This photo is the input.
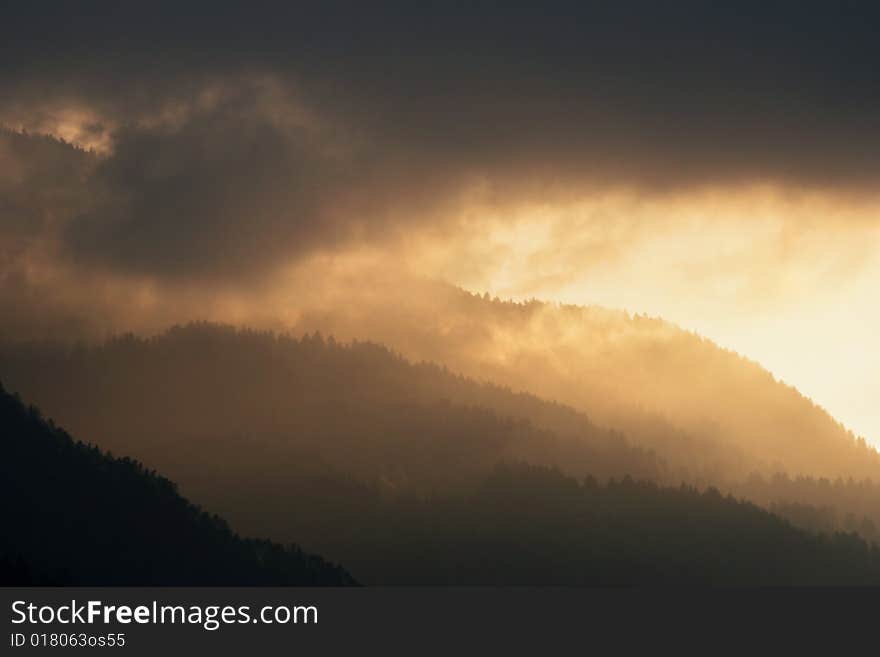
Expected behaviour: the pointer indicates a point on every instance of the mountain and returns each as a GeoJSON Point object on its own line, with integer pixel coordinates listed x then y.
{"type": "Point", "coordinates": [707, 411]}
{"type": "Point", "coordinates": [210, 398]}
{"type": "Point", "coordinates": [74, 515]}
{"type": "Point", "coordinates": [264, 428]}
{"type": "Point", "coordinates": [528, 525]}
{"type": "Point", "coordinates": [370, 460]}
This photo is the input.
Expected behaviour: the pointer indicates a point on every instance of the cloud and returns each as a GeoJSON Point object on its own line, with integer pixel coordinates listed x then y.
{"type": "Point", "coordinates": [228, 178]}
{"type": "Point", "coordinates": [232, 143]}
{"type": "Point", "coordinates": [224, 186]}
{"type": "Point", "coordinates": [653, 94]}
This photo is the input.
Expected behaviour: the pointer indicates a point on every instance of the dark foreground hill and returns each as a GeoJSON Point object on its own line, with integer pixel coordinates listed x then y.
{"type": "Point", "coordinates": [72, 514]}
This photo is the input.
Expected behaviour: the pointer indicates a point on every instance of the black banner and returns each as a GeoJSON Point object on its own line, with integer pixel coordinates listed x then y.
{"type": "Point", "coordinates": [230, 621]}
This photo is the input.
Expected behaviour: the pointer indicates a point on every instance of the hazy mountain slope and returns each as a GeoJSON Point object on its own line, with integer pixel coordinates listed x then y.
{"type": "Point", "coordinates": [820, 505]}
{"type": "Point", "coordinates": [251, 405]}
{"type": "Point", "coordinates": [532, 525]}
{"type": "Point", "coordinates": [623, 371]}
{"type": "Point", "coordinates": [74, 515]}
{"type": "Point", "coordinates": [82, 517]}
{"type": "Point", "coordinates": [258, 427]}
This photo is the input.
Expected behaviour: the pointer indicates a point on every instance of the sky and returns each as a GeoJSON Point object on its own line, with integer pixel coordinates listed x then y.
{"type": "Point", "coordinates": [715, 164]}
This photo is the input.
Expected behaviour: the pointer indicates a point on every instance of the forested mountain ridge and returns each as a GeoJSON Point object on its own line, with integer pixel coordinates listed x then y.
{"type": "Point", "coordinates": [80, 516]}
{"type": "Point", "coordinates": [205, 396]}
{"type": "Point", "coordinates": [254, 424]}
{"type": "Point", "coordinates": [703, 408]}
{"type": "Point", "coordinates": [75, 515]}
{"type": "Point", "coordinates": [528, 525]}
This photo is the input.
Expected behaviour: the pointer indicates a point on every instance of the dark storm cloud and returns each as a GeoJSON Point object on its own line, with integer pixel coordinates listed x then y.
{"type": "Point", "coordinates": [410, 101]}
{"type": "Point", "coordinates": [223, 190]}
{"type": "Point", "coordinates": [690, 88]}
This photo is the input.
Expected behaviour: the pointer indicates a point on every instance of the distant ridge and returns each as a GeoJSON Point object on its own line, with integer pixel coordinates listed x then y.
{"type": "Point", "coordinates": [641, 375]}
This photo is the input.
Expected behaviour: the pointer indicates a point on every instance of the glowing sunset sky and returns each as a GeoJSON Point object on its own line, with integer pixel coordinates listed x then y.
{"type": "Point", "coordinates": [716, 166]}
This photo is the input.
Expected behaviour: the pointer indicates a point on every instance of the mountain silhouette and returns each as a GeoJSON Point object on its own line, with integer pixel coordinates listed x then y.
{"type": "Point", "coordinates": [75, 515]}
{"type": "Point", "coordinates": [80, 516]}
